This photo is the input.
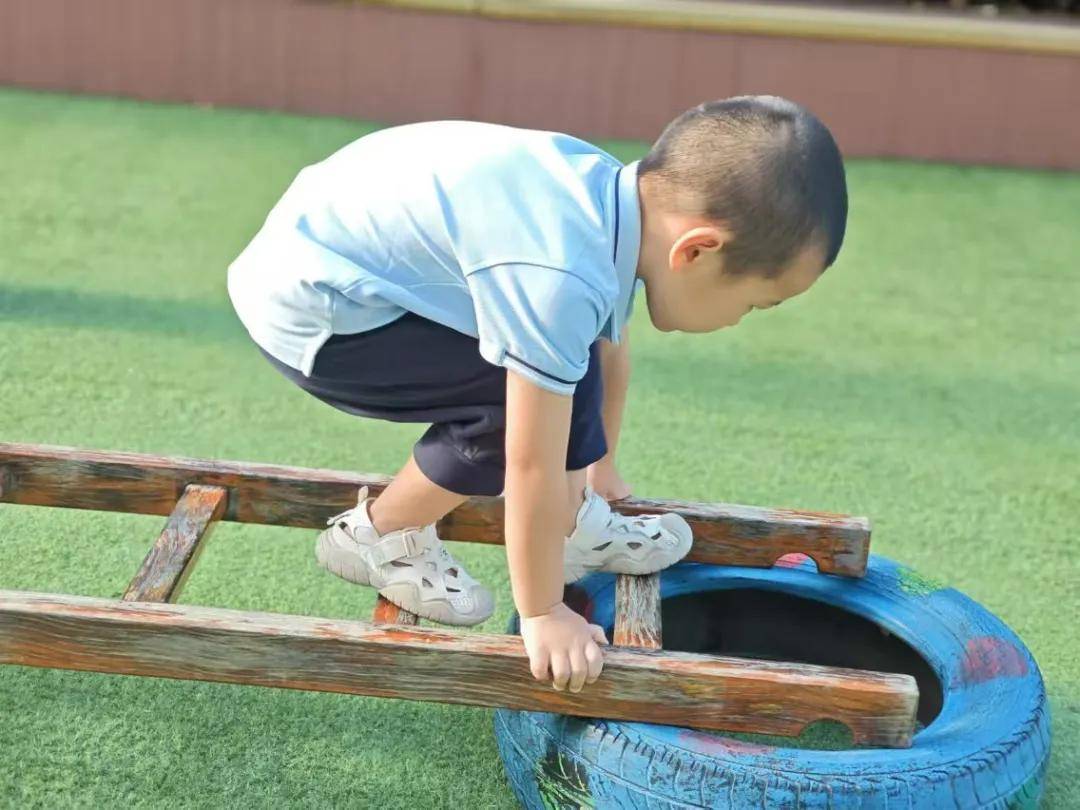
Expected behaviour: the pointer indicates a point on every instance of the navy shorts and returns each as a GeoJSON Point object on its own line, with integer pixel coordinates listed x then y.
{"type": "Point", "coordinates": [416, 370]}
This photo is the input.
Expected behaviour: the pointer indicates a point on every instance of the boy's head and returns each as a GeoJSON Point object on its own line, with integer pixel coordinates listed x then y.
{"type": "Point", "coordinates": [744, 204]}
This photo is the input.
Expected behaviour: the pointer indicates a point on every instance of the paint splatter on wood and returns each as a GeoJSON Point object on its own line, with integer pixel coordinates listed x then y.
{"type": "Point", "coordinates": [386, 612]}
{"type": "Point", "coordinates": [169, 563]}
{"type": "Point", "coordinates": [724, 534]}
{"type": "Point", "coordinates": [637, 611]}
{"type": "Point", "coordinates": [480, 669]}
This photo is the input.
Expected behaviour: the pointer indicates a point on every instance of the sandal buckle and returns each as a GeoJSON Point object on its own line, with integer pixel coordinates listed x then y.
{"type": "Point", "coordinates": [409, 541]}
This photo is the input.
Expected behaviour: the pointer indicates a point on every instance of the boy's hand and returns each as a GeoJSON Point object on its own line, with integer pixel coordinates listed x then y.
{"type": "Point", "coordinates": [606, 481]}
{"type": "Point", "coordinates": [562, 640]}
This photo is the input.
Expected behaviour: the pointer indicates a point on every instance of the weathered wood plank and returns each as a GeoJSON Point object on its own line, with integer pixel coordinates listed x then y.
{"type": "Point", "coordinates": [724, 534]}
{"type": "Point", "coordinates": [167, 566]}
{"type": "Point", "coordinates": [480, 669]}
{"type": "Point", "coordinates": [637, 611]}
{"type": "Point", "coordinates": [386, 612]}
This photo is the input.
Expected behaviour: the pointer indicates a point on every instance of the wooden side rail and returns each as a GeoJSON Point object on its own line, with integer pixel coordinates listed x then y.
{"type": "Point", "coordinates": [173, 556]}
{"type": "Point", "coordinates": [49, 475]}
{"type": "Point", "coordinates": [300, 652]}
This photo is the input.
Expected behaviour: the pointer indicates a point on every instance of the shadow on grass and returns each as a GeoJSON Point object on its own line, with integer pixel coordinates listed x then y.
{"type": "Point", "coordinates": [930, 399]}
{"type": "Point", "coordinates": [970, 403]}
{"type": "Point", "coordinates": [48, 306]}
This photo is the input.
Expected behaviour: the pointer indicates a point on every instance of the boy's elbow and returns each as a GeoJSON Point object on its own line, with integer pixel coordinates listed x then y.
{"type": "Point", "coordinates": [535, 458]}
{"type": "Point", "coordinates": [525, 464]}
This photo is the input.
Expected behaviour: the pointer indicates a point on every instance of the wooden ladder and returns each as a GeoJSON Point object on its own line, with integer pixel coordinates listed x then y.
{"type": "Point", "coordinates": [147, 633]}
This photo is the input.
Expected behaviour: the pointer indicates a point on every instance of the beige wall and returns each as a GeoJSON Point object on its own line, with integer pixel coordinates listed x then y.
{"type": "Point", "coordinates": [941, 103]}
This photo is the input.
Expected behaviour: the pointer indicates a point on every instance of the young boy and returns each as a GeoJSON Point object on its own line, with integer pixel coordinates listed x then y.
{"type": "Point", "coordinates": [479, 278]}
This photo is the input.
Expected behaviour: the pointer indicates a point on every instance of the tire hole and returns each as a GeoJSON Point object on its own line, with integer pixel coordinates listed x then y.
{"type": "Point", "coordinates": [776, 626]}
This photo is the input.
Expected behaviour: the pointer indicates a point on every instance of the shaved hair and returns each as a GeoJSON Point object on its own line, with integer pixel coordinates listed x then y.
{"type": "Point", "coordinates": [764, 166]}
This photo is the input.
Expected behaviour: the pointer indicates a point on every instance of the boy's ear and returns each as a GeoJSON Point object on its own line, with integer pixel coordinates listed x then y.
{"type": "Point", "coordinates": [696, 242]}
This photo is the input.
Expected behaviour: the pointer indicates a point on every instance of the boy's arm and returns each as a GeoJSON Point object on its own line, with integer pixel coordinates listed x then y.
{"type": "Point", "coordinates": [560, 643]}
{"type": "Point", "coordinates": [536, 495]}
{"type": "Point", "coordinates": [615, 368]}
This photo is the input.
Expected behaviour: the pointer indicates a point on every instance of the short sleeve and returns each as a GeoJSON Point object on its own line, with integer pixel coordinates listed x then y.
{"type": "Point", "coordinates": [538, 321]}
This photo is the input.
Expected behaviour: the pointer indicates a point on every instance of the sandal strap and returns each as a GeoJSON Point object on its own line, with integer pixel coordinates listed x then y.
{"type": "Point", "coordinates": [394, 548]}
{"type": "Point", "coordinates": [593, 517]}
{"type": "Point", "coordinates": [629, 524]}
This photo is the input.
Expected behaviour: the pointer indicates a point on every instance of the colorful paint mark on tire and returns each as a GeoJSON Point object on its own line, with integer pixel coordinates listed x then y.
{"type": "Point", "coordinates": [718, 745]}
{"type": "Point", "coordinates": [989, 657]}
{"type": "Point", "coordinates": [1029, 794]}
{"type": "Point", "coordinates": [562, 783]}
{"type": "Point", "coordinates": [916, 584]}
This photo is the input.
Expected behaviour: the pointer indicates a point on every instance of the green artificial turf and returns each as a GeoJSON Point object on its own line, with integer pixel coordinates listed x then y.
{"type": "Point", "coordinates": [928, 381]}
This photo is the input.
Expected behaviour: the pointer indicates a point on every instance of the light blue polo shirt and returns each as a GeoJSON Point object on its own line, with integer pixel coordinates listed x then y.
{"type": "Point", "coordinates": [527, 240]}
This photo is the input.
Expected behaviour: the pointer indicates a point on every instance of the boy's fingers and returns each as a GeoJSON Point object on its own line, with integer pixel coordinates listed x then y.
{"type": "Point", "coordinates": [595, 658]}
{"type": "Point", "coordinates": [579, 669]}
{"type": "Point", "coordinates": [560, 671]}
{"type": "Point", "coordinates": [538, 665]}
{"type": "Point", "coordinates": [598, 634]}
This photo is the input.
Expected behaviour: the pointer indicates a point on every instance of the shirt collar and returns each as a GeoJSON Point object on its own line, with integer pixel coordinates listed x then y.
{"type": "Point", "coordinates": [627, 245]}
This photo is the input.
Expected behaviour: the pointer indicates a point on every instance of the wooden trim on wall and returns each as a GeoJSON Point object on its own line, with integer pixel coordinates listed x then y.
{"type": "Point", "coordinates": [809, 22]}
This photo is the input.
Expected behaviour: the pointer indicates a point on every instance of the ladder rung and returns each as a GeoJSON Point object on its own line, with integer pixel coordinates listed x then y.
{"type": "Point", "coordinates": [166, 567]}
{"type": "Point", "coordinates": [386, 612]}
{"type": "Point", "coordinates": [480, 669]}
{"type": "Point", "coordinates": [637, 611]}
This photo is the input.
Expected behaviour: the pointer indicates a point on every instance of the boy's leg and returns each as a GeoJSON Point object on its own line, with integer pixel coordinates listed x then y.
{"type": "Point", "coordinates": [409, 370]}
{"type": "Point", "coordinates": [411, 499]}
{"type": "Point", "coordinates": [415, 370]}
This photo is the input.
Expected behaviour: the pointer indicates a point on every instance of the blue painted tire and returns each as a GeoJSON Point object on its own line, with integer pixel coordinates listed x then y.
{"type": "Point", "coordinates": [987, 747]}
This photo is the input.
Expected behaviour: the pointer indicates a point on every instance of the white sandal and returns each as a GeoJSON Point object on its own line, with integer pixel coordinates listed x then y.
{"type": "Point", "coordinates": [410, 567]}
{"type": "Point", "coordinates": [604, 540]}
